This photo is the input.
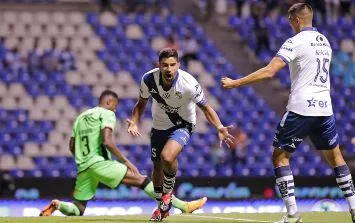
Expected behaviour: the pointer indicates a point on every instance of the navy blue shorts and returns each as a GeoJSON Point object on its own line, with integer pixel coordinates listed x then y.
{"type": "Point", "coordinates": [293, 128]}
{"type": "Point", "coordinates": [158, 139]}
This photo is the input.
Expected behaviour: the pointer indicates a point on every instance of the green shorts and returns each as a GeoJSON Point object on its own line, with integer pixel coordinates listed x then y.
{"type": "Point", "coordinates": [108, 172]}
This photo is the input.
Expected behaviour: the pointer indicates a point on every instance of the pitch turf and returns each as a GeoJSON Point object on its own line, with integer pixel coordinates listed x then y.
{"type": "Point", "coordinates": [315, 217]}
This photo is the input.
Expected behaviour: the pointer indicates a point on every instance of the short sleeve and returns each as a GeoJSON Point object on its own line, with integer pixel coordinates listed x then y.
{"type": "Point", "coordinates": [108, 120]}
{"type": "Point", "coordinates": [287, 51]}
{"type": "Point", "coordinates": [144, 91]}
{"type": "Point", "coordinates": [198, 96]}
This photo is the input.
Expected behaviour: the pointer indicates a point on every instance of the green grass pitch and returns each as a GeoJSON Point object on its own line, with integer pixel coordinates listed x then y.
{"type": "Point", "coordinates": [314, 217]}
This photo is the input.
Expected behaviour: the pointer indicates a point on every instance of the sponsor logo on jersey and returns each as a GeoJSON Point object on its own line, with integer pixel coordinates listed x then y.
{"type": "Point", "coordinates": [86, 131]}
{"type": "Point", "coordinates": [318, 85]}
{"type": "Point", "coordinates": [198, 94]}
{"type": "Point", "coordinates": [178, 94]}
{"type": "Point", "coordinates": [198, 91]}
{"type": "Point", "coordinates": [286, 48]}
{"type": "Point", "coordinates": [320, 103]}
{"type": "Point", "coordinates": [319, 44]}
{"type": "Point", "coordinates": [322, 53]}
{"type": "Point", "coordinates": [166, 95]}
{"type": "Point", "coordinates": [169, 109]}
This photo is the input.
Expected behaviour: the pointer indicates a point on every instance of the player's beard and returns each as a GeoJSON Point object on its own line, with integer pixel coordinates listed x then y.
{"type": "Point", "coordinates": [169, 78]}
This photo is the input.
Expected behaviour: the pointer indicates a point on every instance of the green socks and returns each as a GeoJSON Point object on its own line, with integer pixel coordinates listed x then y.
{"type": "Point", "coordinates": [182, 205]}
{"type": "Point", "coordinates": [68, 209]}
{"type": "Point", "coordinates": [149, 189]}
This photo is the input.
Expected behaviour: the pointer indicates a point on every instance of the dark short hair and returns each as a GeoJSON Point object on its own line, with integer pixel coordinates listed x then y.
{"type": "Point", "coordinates": [298, 7]}
{"type": "Point", "coordinates": [168, 52]}
{"type": "Point", "coordinates": [108, 93]}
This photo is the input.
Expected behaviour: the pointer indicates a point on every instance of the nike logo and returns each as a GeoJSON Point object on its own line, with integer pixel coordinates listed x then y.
{"type": "Point", "coordinates": [153, 91]}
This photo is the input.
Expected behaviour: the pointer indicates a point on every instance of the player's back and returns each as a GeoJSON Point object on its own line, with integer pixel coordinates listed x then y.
{"type": "Point", "coordinates": [88, 139]}
{"type": "Point", "coordinates": [309, 55]}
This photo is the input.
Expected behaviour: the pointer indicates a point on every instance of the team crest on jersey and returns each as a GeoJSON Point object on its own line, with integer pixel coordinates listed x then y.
{"type": "Point", "coordinates": [166, 95]}
{"type": "Point", "coordinates": [178, 94]}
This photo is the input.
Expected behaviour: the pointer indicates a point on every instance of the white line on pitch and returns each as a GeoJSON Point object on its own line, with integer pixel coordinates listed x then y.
{"type": "Point", "coordinates": [224, 218]}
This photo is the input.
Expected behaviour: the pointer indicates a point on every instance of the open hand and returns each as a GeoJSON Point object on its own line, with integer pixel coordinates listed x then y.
{"type": "Point", "coordinates": [133, 128]}
{"type": "Point", "coordinates": [225, 137]}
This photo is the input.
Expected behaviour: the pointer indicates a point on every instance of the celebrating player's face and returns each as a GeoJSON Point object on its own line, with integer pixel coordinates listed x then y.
{"type": "Point", "coordinates": [168, 68]}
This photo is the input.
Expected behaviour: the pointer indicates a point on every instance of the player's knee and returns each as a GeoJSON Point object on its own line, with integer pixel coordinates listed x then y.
{"type": "Point", "coordinates": [334, 157]}
{"type": "Point", "coordinates": [167, 158]}
{"type": "Point", "coordinates": [274, 157]}
{"type": "Point", "coordinates": [280, 158]}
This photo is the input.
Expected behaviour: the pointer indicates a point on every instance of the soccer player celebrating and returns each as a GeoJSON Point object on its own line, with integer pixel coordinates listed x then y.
{"type": "Point", "coordinates": [175, 93]}
{"type": "Point", "coordinates": [91, 143]}
{"type": "Point", "coordinates": [309, 110]}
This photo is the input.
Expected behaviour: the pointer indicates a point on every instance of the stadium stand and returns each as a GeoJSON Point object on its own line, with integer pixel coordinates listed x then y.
{"type": "Point", "coordinates": [55, 65]}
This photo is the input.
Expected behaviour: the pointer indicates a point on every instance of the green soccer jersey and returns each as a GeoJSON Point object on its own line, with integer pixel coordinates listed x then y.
{"type": "Point", "coordinates": [88, 138]}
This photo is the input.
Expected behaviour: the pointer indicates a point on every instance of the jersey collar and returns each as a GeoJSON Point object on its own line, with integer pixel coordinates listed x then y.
{"type": "Point", "coordinates": [309, 29]}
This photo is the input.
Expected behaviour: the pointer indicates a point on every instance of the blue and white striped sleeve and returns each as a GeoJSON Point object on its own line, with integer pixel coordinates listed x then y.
{"type": "Point", "coordinates": [198, 96]}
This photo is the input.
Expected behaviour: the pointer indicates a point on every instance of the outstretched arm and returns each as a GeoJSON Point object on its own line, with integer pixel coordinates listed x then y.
{"type": "Point", "coordinates": [266, 72]}
{"type": "Point", "coordinates": [136, 114]}
{"type": "Point", "coordinates": [108, 142]}
{"type": "Point", "coordinates": [213, 118]}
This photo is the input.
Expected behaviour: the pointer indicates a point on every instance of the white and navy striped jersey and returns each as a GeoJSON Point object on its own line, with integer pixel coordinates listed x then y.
{"type": "Point", "coordinates": [176, 106]}
{"type": "Point", "coordinates": [308, 55]}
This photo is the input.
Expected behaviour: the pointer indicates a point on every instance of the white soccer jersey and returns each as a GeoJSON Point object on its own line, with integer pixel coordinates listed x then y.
{"type": "Point", "coordinates": [308, 55]}
{"type": "Point", "coordinates": [175, 106]}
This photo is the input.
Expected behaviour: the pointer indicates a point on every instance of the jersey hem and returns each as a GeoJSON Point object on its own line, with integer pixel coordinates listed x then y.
{"type": "Point", "coordinates": [310, 115]}
{"type": "Point", "coordinates": [90, 166]}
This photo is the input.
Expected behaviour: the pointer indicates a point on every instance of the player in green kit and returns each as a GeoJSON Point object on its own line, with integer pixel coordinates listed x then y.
{"type": "Point", "coordinates": [91, 144]}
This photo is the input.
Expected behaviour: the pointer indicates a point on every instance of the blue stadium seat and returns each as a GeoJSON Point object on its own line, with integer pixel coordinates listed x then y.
{"type": "Point", "coordinates": [40, 161]}
{"type": "Point", "coordinates": [125, 19]}
{"type": "Point", "coordinates": [244, 107]}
